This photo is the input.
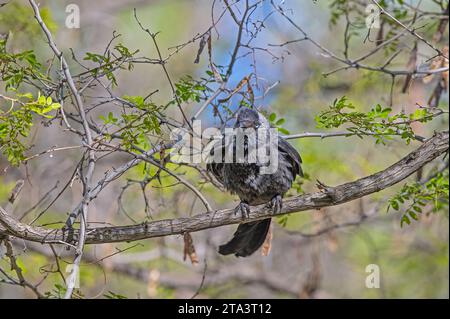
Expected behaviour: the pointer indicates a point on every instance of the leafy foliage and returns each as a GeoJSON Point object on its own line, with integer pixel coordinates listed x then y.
{"type": "Point", "coordinates": [378, 122]}
{"type": "Point", "coordinates": [18, 67]}
{"type": "Point", "coordinates": [277, 122]}
{"type": "Point", "coordinates": [17, 117]}
{"type": "Point", "coordinates": [119, 58]}
{"type": "Point", "coordinates": [190, 90]}
{"type": "Point", "coordinates": [135, 123]}
{"type": "Point", "coordinates": [416, 196]}
{"type": "Point", "coordinates": [16, 122]}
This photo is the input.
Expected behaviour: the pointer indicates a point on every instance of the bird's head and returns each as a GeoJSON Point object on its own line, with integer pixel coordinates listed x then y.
{"type": "Point", "coordinates": [249, 118]}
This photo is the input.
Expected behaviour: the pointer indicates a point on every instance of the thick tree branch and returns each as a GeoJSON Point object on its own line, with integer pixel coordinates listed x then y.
{"type": "Point", "coordinates": [330, 196]}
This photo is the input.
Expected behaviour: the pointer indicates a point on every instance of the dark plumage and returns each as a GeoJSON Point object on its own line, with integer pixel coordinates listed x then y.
{"type": "Point", "coordinates": [254, 188]}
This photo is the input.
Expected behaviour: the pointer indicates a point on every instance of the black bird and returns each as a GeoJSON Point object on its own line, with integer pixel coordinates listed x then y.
{"type": "Point", "coordinates": [252, 187]}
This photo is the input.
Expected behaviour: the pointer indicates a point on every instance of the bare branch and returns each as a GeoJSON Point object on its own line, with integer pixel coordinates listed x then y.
{"type": "Point", "coordinates": [88, 136]}
{"type": "Point", "coordinates": [413, 32]}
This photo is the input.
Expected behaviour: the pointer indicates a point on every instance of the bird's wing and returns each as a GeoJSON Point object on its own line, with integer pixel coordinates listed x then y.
{"type": "Point", "coordinates": [216, 167]}
{"type": "Point", "coordinates": [292, 155]}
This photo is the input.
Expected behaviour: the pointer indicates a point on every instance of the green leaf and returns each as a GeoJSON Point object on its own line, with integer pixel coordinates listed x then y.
{"type": "Point", "coordinates": [417, 209]}
{"type": "Point", "coordinates": [395, 205]}
{"type": "Point", "coordinates": [283, 131]}
{"type": "Point", "coordinates": [405, 219]}
{"type": "Point", "coordinates": [272, 117]}
{"type": "Point", "coordinates": [413, 215]}
{"type": "Point", "coordinates": [42, 100]}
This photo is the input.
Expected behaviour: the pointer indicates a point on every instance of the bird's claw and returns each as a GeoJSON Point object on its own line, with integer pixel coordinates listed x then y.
{"type": "Point", "coordinates": [276, 204]}
{"type": "Point", "coordinates": [244, 209]}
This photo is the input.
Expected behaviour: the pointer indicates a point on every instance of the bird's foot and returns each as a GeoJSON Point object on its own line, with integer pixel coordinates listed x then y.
{"type": "Point", "coordinates": [244, 209]}
{"type": "Point", "coordinates": [276, 204]}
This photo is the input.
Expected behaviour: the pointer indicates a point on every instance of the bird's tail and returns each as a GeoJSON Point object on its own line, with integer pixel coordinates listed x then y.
{"type": "Point", "coordinates": [247, 238]}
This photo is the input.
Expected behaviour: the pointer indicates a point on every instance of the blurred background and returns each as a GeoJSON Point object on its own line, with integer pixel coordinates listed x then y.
{"type": "Point", "coordinates": [413, 259]}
